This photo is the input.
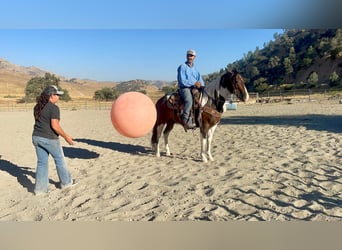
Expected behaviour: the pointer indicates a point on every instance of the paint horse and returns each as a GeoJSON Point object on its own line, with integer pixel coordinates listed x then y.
{"type": "Point", "coordinates": [211, 103]}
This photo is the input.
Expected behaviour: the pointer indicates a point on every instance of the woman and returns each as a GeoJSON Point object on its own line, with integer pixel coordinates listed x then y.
{"type": "Point", "coordinates": [45, 138]}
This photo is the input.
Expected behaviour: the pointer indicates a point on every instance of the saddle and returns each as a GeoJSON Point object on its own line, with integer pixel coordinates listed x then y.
{"type": "Point", "coordinates": [176, 103]}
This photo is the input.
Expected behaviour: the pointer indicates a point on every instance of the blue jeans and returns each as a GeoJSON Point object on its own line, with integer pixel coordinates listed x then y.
{"type": "Point", "coordinates": [187, 98]}
{"type": "Point", "coordinates": [44, 147]}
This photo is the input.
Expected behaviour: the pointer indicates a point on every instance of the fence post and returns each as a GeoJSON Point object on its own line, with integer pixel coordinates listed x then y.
{"type": "Point", "coordinates": [309, 95]}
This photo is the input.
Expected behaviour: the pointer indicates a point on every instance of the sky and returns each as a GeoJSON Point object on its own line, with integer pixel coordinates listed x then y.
{"type": "Point", "coordinates": [120, 40]}
{"type": "Point", "coordinates": [121, 55]}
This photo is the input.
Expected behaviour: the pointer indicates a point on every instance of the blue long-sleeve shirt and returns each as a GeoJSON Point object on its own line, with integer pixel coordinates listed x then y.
{"type": "Point", "coordinates": [187, 76]}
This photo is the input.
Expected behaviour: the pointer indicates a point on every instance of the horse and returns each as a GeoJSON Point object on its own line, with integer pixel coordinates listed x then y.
{"type": "Point", "coordinates": [213, 97]}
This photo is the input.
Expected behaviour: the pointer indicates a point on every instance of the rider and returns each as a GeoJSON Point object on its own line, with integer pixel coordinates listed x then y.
{"type": "Point", "coordinates": [188, 77]}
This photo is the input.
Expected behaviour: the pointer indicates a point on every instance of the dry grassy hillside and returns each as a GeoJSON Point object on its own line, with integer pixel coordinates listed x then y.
{"type": "Point", "coordinates": [12, 83]}
{"type": "Point", "coordinates": [13, 80]}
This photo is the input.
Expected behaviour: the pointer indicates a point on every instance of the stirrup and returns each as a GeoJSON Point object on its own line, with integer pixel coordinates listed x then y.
{"type": "Point", "coordinates": [189, 125]}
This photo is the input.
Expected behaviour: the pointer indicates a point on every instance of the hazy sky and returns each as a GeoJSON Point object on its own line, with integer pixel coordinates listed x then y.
{"type": "Point", "coordinates": [108, 40]}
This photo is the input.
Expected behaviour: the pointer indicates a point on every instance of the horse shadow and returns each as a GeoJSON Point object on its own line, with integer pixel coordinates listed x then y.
{"type": "Point", "coordinates": [330, 123]}
{"type": "Point", "coordinates": [116, 146]}
{"type": "Point", "coordinates": [79, 153]}
{"type": "Point", "coordinates": [21, 173]}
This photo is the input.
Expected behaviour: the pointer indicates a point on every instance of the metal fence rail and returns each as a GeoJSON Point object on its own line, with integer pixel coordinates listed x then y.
{"type": "Point", "coordinates": [74, 105]}
{"type": "Point", "coordinates": [266, 97]}
{"type": "Point", "coordinates": [289, 95]}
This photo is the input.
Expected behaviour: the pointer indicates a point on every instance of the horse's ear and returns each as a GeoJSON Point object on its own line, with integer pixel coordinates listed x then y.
{"type": "Point", "coordinates": [235, 72]}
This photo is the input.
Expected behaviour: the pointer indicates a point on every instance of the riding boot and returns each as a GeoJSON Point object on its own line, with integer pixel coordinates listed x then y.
{"type": "Point", "coordinates": [188, 124]}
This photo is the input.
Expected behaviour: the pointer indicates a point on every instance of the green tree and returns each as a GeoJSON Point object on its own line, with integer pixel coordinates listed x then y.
{"type": "Point", "coordinates": [288, 66]}
{"type": "Point", "coordinates": [36, 85]}
{"type": "Point", "coordinates": [293, 55]}
{"type": "Point", "coordinates": [306, 62]}
{"type": "Point", "coordinates": [311, 52]}
{"type": "Point", "coordinates": [260, 85]}
{"type": "Point", "coordinates": [313, 79]}
{"type": "Point", "coordinates": [254, 72]}
{"type": "Point", "coordinates": [273, 62]}
{"type": "Point", "coordinates": [334, 79]}
{"type": "Point", "coordinates": [335, 52]}
{"type": "Point", "coordinates": [106, 94]}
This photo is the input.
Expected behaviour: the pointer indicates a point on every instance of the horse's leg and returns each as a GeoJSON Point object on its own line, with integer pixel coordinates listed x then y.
{"type": "Point", "coordinates": [157, 131]}
{"type": "Point", "coordinates": [210, 138]}
{"type": "Point", "coordinates": [167, 131]}
{"type": "Point", "coordinates": [204, 146]}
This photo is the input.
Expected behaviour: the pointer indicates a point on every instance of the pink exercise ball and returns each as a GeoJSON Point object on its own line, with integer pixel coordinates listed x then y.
{"type": "Point", "coordinates": [133, 114]}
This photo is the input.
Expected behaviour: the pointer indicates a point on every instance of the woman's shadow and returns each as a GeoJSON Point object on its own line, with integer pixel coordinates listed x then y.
{"type": "Point", "coordinates": [21, 173]}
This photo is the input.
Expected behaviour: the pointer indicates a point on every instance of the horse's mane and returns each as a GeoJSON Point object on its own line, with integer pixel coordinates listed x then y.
{"type": "Point", "coordinates": [221, 86]}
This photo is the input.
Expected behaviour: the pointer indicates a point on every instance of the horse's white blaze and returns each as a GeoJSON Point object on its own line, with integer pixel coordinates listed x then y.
{"type": "Point", "coordinates": [247, 95]}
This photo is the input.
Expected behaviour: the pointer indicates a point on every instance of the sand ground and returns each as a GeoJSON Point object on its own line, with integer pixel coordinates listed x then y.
{"type": "Point", "coordinates": [272, 162]}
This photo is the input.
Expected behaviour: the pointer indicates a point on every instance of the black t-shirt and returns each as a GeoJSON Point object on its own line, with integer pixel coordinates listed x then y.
{"type": "Point", "coordinates": [42, 126]}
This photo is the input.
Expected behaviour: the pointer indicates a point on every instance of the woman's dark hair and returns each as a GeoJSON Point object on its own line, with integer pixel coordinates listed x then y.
{"type": "Point", "coordinates": [42, 100]}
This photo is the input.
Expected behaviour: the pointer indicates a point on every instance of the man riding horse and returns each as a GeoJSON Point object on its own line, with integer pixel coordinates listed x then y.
{"type": "Point", "coordinates": [209, 104]}
{"type": "Point", "coordinates": [188, 78]}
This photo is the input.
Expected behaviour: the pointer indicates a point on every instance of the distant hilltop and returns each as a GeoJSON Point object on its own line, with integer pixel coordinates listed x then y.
{"type": "Point", "coordinates": [13, 80]}
{"type": "Point", "coordinates": [31, 71]}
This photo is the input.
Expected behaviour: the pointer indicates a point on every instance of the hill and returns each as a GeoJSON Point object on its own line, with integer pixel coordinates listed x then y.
{"type": "Point", "coordinates": [13, 80]}
{"type": "Point", "coordinates": [306, 58]}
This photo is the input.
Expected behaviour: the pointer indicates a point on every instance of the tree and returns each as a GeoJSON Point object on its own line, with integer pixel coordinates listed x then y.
{"type": "Point", "coordinates": [335, 52]}
{"type": "Point", "coordinates": [334, 79]}
{"type": "Point", "coordinates": [260, 84]}
{"type": "Point", "coordinates": [313, 79]}
{"type": "Point", "coordinates": [273, 62]}
{"type": "Point", "coordinates": [106, 94]}
{"type": "Point", "coordinates": [254, 72]}
{"type": "Point", "coordinates": [306, 62]}
{"type": "Point", "coordinates": [292, 55]}
{"type": "Point", "coordinates": [311, 52]}
{"type": "Point", "coordinates": [36, 85]}
{"type": "Point", "coordinates": [288, 66]}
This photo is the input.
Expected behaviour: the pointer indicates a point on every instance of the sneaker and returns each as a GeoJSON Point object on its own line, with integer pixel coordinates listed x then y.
{"type": "Point", "coordinates": [39, 193]}
{"type": "Point", "coordinates": [72, 183]}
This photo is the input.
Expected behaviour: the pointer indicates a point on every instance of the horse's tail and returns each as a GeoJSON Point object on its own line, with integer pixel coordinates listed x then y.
{"type": "Point", "coordinates": [160, 105]}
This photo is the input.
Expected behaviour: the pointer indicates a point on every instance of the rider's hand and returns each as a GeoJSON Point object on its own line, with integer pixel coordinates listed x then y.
{"type": "Point", "coordinates": [197, 85]}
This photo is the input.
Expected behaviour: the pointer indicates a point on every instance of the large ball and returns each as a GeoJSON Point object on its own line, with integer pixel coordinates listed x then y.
{"type": "Point", "coordinates": [133, 114]}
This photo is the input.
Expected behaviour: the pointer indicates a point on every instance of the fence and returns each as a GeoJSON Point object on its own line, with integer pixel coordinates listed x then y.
{"type": "Point", "coordinates": [73, 105]}
{"type": "Point", "coordinates": [266, 97]}
{"type": "Point", "coordinates": [290, 95]}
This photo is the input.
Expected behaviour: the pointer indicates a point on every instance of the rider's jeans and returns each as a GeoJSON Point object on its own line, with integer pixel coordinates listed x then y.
{"type": "Point", "coordinates": [187, 98]}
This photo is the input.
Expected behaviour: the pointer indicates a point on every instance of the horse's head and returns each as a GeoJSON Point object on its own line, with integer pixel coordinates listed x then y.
{"type": "Point", "coordinates": [235, 84]}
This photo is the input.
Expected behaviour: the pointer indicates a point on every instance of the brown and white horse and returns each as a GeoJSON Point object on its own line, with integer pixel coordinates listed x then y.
{"type": "Point", "coordinates": [211, 107]}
